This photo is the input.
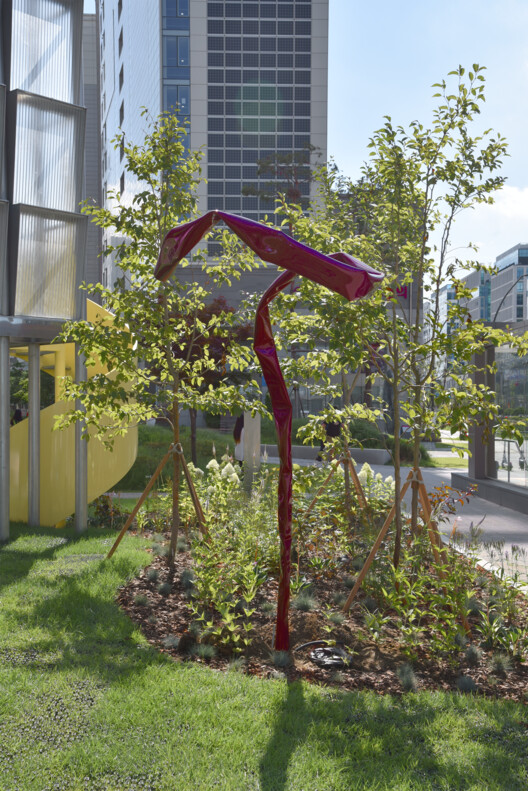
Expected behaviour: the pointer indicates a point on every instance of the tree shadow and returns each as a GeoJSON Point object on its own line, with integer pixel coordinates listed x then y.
{"type": "Point", "coordinates": [365, 741]}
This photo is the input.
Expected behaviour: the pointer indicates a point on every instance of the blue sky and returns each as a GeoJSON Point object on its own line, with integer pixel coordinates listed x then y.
{"type": "Point", "coordinates": [384, 55]}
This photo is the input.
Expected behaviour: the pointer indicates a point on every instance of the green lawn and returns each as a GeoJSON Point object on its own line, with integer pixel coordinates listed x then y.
{"type": "Point", "coordinates": [87, 705]}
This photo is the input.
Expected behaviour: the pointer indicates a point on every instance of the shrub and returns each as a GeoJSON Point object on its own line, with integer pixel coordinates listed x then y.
{"type": "Point", "coordinates": [407, 678]}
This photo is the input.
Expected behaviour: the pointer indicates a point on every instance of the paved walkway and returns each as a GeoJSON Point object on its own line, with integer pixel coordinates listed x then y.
{"type": "Point", "coordinates": [501, 528]}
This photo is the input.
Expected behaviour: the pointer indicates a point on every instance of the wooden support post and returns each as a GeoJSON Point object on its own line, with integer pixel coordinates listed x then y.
{"type": "Point", "coordinates": [194, 496]}
{"type": "Point", "coordinates": [381, 535]}
{"type": "Point", "coordinates": [335, 465]}
{"type": "Point", "coordinates": [357, 483]}
{"type": "Point", "coordinates": [141, 500]}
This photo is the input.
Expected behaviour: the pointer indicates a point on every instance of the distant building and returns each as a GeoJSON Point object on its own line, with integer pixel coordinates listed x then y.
{"type": "Point", "coordinates": [250, 77]}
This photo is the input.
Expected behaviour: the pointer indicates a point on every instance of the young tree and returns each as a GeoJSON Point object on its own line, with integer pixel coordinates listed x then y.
{"type": "Point", "coordinates": [150, 346]}
{"type": "Point", "coordinates": [399, 218]}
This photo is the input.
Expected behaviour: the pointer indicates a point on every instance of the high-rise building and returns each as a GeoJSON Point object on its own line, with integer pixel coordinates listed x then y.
{"type": "Point", "coordinates": [251, 78]}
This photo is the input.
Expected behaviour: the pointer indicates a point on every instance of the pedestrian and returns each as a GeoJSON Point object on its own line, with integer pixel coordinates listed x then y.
{"type": "Point", "coordinates": [238, 435]}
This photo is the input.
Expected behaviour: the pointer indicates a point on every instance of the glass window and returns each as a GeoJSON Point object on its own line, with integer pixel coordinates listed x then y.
{"type": "Point", "coordinates": [215, 188]}
{"type": "Point", "coordinates": [184, 99]}
{"type": "Point", "coordinates": [285, 61]}
{"type": "Point", "coordinates": [250, 44]}
{"type": "Point", "coordinates": [215, 124]}
{"type": "Point", "coordinates": [302, 78]}
{"type": "Point", "coordinates": [215, 43]}
{"type": "Point", "coordinates": [268, 10]}
{"type": "Point", "coordinates": [215, 172]}
{"type": "Point", "coordinates": [249, 171]}
{"type": "Point", "coordinates": [520, 285]}
{"type": "Point", "coordinates": [284, 141]}
{"type": "Point", "coordinates": [285, 10]}
{"type": "Point", "coordinates": [268, 44]}
{"type": "Point", "coordinates": [233, 9]}
{"type": "Point", "coordinates": [233, 108]}
{"type": "Point", "coordinates": [520, 272]}
{"type": "Point", "coordinates": [214, 203]}
{"type": "Point", "coordinates": [302, 94]}
{"type": "Point", "coordinates": [215, 155]}
{"type": "Point", "coordinates": [303, 45]}
{"type": "Point", "coordinates": [233, 59]}
{"type": "Point", "coordinates": [303, 11]}
{"type": "Point", "coordinates": [268, 60]}
{"type": "Point", "coordinates": [215, 9]}
{"type": "Point", "coordinates": [215, 92]}
{"type": "Point", "coordinates": [233, 27]}
{"type": "Point", "coordinates": [215, 59]}
{"type": "Point", "coordinates": [303, 28]}
{"type": "Point", "coordinates": [183, 7]}
{"type": "Point", "coordinates": [233, 75]}
{"type": "Point", "coordinates": [216, 141]}
{"type": "Point", "coordinates": [286, 125]}
{"type": "Point", "coordinates": [302, 108]}
{"type": "Point", "coordinates": [233, 188]}
{"type": "Point", "coordinates": [301, 141]}
{"type": "Point", "coordinates": [215, 75]}
{"type": "Point", "coordinates": [250, 10]}
{"type": "Point", "coordinates": [232, 204]}
{"type": "Point", "coordinates": [232, 124]}
{"type": "Point", "coordinates": [215, 108]}
{"type": "Point", "coordinates": [250, 27]}
{"type": "Point", "coordinates": [233, 44]}
{"type": "Point", "coordinates": [250, 141]}
{"type": "Point", "coordinates": [232, 155]}
{"type": "Point", "coordinates": [251, 59]}
{"type": "Point", "coordinates": [268, 108]}
{"type": "Point", "coordinates": [285, 45]}
{"type": "Point", "coordinates": [250, 75]}
{"type": "Point", "coordinates": [233, 172]}
{"type": "Point", "coordinates": [285, 28]}
{"type": "Point", "coordinates": [303, 61]}
{"type": "Point", "coordinates": [267, 140]}
{"type": "Point", "coordinates": [249, 155]}
{"type": "Point", "coordinates": [519, 312]}
{"type": "Point", "coordinates": [284, 77]}
{"type": "Point", "coordinates": [302, 125]}
{"type": "Point", "coordinates": [250, 92]}
{"type": "Point", "coordinates": [268, 28]}
{"type": "Point", "coordinates": [233, 141]}
{"type": "Point", "coordinates": [215, 26]}
{"type": "Point", "coordinates": [520, 299]}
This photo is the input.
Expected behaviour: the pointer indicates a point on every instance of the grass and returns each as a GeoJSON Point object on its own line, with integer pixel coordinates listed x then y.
{"type": "Point", "coordinates": [153, 443]}
{"type": "Point", "coordinates": [447, 462]}
{"type": "Point", "coordinates": [87, 705]}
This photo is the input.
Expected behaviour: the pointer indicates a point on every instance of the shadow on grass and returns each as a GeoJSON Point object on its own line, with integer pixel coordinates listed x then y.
{"type": "Point", "coordinates": [365, 741]}
{"type": "Point", "coordinates": [70, 606]}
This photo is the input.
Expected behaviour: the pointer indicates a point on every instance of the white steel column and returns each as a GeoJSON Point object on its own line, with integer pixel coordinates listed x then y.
{"type": "Point", "coordinates": [81, 457]}
{"type": "Point", "coordinates": [4, 438]}
{"type": "Point", "coordinates": [34, 435]}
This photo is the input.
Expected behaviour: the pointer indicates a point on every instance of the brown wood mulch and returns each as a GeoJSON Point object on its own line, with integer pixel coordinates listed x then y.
{"type": "Point", "coordinates": [371, 665]}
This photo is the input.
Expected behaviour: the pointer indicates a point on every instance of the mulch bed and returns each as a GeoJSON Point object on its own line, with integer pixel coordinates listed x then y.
{"type": "Point", "coordinates": [371, 665]}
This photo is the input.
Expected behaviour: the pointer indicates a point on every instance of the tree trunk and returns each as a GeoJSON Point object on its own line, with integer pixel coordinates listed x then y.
{"type": "Point", "coordinates": [175, 527]}
{"type": "Point", "coordinates": [194, 455]}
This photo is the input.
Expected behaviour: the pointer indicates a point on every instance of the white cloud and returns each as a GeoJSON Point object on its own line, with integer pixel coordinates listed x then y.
{"type": "Point", "coordinates": [493, 229]}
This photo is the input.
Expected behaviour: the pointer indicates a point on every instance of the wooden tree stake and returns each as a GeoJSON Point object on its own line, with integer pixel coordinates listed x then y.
{"type": "Point", "coordinates": [174, 448]}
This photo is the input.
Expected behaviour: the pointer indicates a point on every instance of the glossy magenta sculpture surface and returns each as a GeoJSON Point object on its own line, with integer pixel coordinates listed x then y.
{"type": "Point", "coordinates": [339, 272]}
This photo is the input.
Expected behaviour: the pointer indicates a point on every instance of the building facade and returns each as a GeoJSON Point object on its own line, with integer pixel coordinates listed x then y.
{"type": "Point", "coordinates": [42, 233]}
{"type": "Point", "coordinates": [249, 77]}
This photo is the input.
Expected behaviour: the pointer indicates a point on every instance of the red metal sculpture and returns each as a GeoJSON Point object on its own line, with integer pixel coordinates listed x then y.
{"type": "Point", "coordinates": [339, 272]}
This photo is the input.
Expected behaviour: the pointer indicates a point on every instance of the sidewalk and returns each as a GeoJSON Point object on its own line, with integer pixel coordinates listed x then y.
{"type": "Point", "coordinates": [498, 525]}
